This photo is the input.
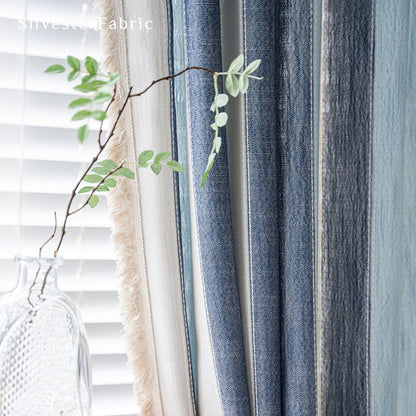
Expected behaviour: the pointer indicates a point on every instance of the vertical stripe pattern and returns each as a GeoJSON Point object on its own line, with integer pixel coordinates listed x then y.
{"type": "Point", "coordinates": [213, 212]}
{"type": "Point", "coordinates": [263, 206]}
{"type": "Point", "coordinates": [285, 286]}
{"type": "Point", "coordinates": [345, 169]}
{"type": "Point", "coordinates": [296, 205]}
{"type": "Point", "coordinates": [180, 152]}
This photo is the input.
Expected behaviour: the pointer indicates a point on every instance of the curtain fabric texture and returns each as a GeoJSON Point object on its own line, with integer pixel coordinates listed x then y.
{"type": "Point", "coordinates": [285, 286]}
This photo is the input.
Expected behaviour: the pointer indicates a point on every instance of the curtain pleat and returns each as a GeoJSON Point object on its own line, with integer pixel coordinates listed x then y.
{"type": "Point", "coordinates": [393, 189]}
{"type": "Point", "coordinates": [285, 286]}
{"type": "Point", "coordinates": [180, 152]}
{"type": "Point", "coordinates": [212, 206]}
{"type": "Point", "coordinates": [345, 172]}
{"type": "Point", "coordinates": [296, 205]}
{"type": "Point", "coordinates": [262, 199]}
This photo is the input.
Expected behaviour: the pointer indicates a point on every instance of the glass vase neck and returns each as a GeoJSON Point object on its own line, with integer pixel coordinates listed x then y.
{"type": "Point", "coordinates": [37, 272]}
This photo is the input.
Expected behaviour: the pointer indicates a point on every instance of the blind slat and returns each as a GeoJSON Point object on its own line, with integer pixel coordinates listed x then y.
{"type": "Point", "coordinates": [40, 109]}
{"type": "Point", "coordinates": [74, 276]}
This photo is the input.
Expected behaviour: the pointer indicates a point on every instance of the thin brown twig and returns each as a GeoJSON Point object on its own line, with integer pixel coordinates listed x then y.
{"type": "Point", "coordinates": [44, 281]}
{"type": "Point", "coordinates": [95, 189]}
{"type": "Point", "coordinates": [50, 238]}
{"type": "Point", "coordinates": [94, 159]}
{"type": "Point", "coordinates": [168, 77]}
{"type": "Point", "coordinates": [106, 111]}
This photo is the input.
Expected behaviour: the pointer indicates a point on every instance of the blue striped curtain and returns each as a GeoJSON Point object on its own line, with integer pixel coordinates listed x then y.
{"type": "Point", "coordinates": [296, 261]}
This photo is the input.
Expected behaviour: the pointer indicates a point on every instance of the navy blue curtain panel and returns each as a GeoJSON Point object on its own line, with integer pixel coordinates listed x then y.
{"type": "Point", "coordinates": [291, 288]}
{"type": "Point", "coordinates": [344, 204]}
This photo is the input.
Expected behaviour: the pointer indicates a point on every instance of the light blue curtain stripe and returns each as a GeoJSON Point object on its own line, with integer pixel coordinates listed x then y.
{"type": "Point", "coordinates": [260, 41]}
{"type": "Point", "coordinates": [177, 62]}
{"type": "Point", "coordinates": [296, 204]}
{"type": "Point", "coordinates": [393, 322]}
{"type": "Point", "coordinates": [213, 212]}
{"type": "Point", "coordinates": [346, 133]}
{"type": "Point", "coordinates": [388, 270]}
{"type": "Point", "coordinates": [407, 369]}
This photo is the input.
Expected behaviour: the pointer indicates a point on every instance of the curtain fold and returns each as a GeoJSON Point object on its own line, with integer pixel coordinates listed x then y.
{"type": "Point", "coordinates": [344, 231]}
{"type": "Point", "coordinates": [212, 206]}
{"type": "Point", "coordinates": [285, 286]}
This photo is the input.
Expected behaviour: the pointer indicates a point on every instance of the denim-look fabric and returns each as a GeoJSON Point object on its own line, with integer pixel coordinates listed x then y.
{"type": "Point", "coordinates": [213, 212]}
{"type": "Point", "coordinates": [180, 152]}
{"type": "Point", "coordinates": [262, 198]}
{"type": "Point", "coordinates": [296, 205]}
{"type": "Point", "coordinates": [346, 131]}
{"type": "Point", "coordinates": [390, 272]}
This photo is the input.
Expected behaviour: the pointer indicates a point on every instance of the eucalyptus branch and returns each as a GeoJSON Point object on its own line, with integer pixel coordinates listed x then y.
{"type": "Point", "coordinates": [101, 172]}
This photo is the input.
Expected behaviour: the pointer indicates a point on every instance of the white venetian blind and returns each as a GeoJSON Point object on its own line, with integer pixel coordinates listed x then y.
{"type": "Point", "coordinates": [40, 161]}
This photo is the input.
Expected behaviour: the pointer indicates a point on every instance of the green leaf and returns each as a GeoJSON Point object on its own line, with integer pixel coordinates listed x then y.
{"type": "Point", "coordinates": [211, 160]}
{"type": "Point", "coordinates": [96, 83]}
{"type": "Point", "coordinates": [92, 178]}
{"type": "Point", "coordinates": [213, 106]}
{"type": "Point", "coordinates": [79, 102]}
{"type": "Point", "coordinates": [231, 84]}
{"type": "Point", "coordinates": [108, 163]}
{"type": "Point", "coordinates": [87, 78]}
{"type": "Point", "coordinates": [110, 182]}
{"type": "Point", "coordinates": [161, 156]}
{"type": "Point", "coordinates": [128, 173]}
{"type": "Point", "coordinates": [83, 132]}
{"type": "Point", "coordinates": [81, 115]}
{"type": "Point", "coordinates": [91, 65]}
{"type": "Point", "coordinates": [214, 126]}
{"type": "Point", "coordinates": [101, 97]}
{"type": "Point", "coordinates": [221, 119]}
{"type": "Point", "coordinates": [156, 167]}
{"type": "Point", "coordinates": [73, 62]}
{"type": "Point", "coordinates": [90, 86]}
{"type": "Point", "coordinates": [99, 115]}
{"type": "Point", "coordinates": [145, 156]}
{"type": "Point", "coordinates": [236, 65]}
{"type": "Point", "coordinates": [73, 75]}
{"type": "Point", "coordinates": [101, 170]}
{"type": "Point", "coordinates": [252, 67]}
{"type": "Point", "coordinates": [221, 100]}
{"type": "Point", "coordinates": [54, 69]}
{"type": "Point", "coordinates": [85, 189]}
{"type": "Point", "coordinates": [102, 188]}
{"type": "Point", "coordinates": [83, 88]}
{"type": "Point", "coordinates": [217, 143]}
{"type": "Point", "coordinates": [113, 79]}
{"type": "Point", "coordinates": [93, 201]}
{"type": "Point", "coordinates": [243, 84]}
{"type": "Point", "coordinates": [176, 166]}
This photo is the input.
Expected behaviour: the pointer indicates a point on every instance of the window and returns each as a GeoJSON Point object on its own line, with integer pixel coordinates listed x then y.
{"type": "Point", "coordinates": [40, 162]}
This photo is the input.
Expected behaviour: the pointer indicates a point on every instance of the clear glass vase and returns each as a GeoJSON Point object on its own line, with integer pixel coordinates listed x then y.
{"type": "Point", "coordinates": [44, 357]}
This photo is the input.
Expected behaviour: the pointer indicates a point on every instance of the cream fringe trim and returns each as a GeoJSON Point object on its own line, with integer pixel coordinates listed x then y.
{"type": "Point", "coordinates": [127, 237]}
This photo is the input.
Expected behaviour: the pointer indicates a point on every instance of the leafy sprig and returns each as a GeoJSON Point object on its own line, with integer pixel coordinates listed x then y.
{"type": "Point", "coordinates": [103, 173]}
{"type": "Point", "coordinates": [96, 86]}
{"type": "Point", "coordinates": [98, 89]}
{"type": "Point", "coordinates": [236, 82]}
